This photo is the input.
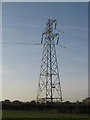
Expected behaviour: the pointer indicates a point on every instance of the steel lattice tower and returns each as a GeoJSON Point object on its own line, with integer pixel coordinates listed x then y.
{"type": "Point", "coordinates": [49, 88]}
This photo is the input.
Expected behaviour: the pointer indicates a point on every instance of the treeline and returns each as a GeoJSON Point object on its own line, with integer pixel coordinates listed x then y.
{"type": "Point", "coordinates": [64, 107]}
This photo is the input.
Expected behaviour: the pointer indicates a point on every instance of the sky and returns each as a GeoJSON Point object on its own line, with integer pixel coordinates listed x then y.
{"type": "Point", "coordinates": [45, 0]}
{"type": "Point", "coordinates": [21, 62]}
{"type": "Point", "coordinates": [0, 52]}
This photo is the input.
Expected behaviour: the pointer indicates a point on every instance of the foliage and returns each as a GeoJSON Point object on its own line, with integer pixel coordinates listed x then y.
{"type": "Point", "coordinates": [64, 107]}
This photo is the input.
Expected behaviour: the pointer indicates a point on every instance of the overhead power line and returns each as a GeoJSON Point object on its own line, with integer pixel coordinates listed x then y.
{"type": "Point", "coordinates": [65, 47]}
{"type": "Point", "coordinates": [77, 36]}
{"type": "Point", "coordinates": [20, 43]}
{"type": "Point", "coordinates": [28, 27]}
{"type": "Point", "coordinates": [21, 27]}
{"type": "Point", "coordinates": [74, 51]}
{"type": "Point", "coordinates": [80, 29]}
{"type": "Point", "coordinates": [45, 18]}
{"type": "Point", "coordinates": [26, 17]}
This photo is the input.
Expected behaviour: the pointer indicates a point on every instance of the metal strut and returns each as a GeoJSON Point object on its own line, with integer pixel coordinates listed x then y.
{"type": "Point", "coordinates": [49, 88]}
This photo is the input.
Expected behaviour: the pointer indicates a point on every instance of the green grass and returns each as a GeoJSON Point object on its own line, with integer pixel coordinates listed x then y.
{"type": "Point", "coordinates": [0, 114]}
{"type": "Point", "coordinates": [39, 114]}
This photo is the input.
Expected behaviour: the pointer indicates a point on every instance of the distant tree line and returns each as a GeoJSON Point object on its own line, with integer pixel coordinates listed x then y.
{"type": "Point", "coordinates": [62, 107]}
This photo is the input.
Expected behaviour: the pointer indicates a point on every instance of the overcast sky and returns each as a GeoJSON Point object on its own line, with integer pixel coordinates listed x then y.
{"type": "Point", "coordinates": [21, 62]}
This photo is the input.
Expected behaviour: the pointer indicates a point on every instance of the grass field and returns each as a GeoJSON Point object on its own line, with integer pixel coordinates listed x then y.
{"type": "Point", "coordinates": [37, 114]}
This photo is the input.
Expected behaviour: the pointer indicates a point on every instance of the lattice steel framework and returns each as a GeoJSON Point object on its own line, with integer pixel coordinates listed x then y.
{"type": "Point", "coordinates": [49, 88]}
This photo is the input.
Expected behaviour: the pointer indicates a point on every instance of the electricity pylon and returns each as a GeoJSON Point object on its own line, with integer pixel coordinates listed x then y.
{"type": "Point", "coordinates": [49, 88]}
